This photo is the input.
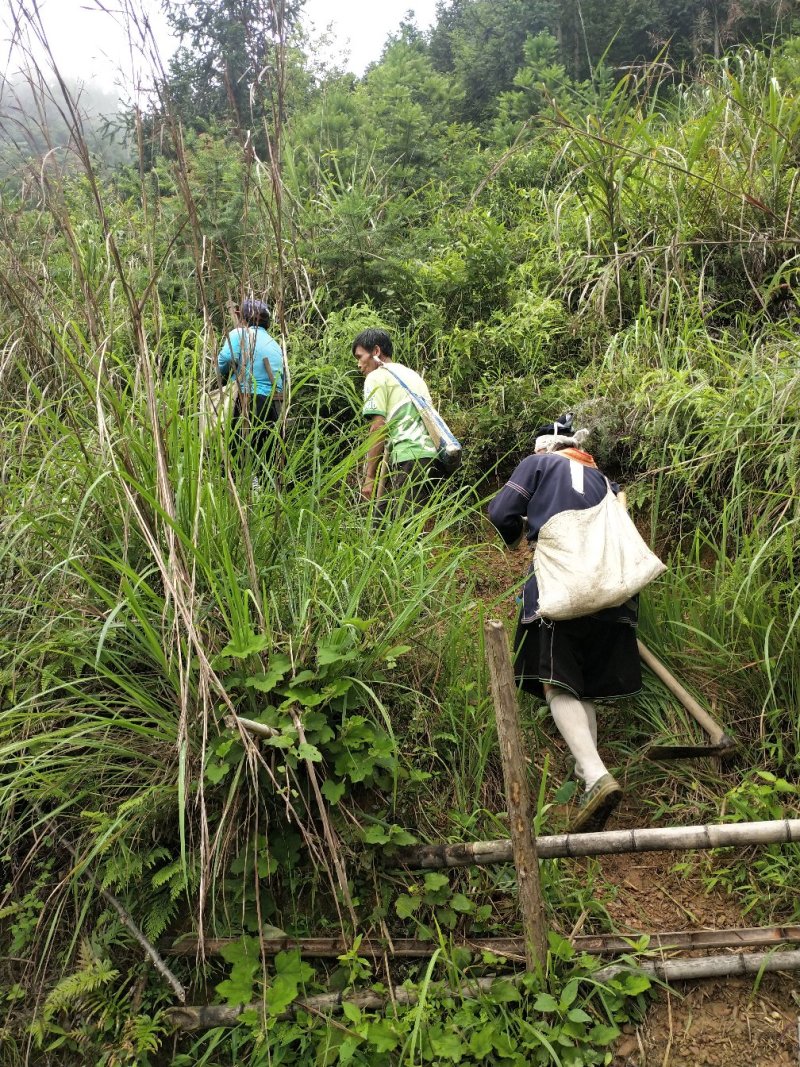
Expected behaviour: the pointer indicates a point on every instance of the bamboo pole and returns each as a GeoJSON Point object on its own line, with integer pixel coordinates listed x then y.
{"type": "Point", "coordinates": [259, 729]}
{"type": "Point", "coordinates": [207, 1016]}
{"type": "Point", "coordinates": [607, 843]}
{"type": "Point", "coordinates": [518, 802]}
{"type": "Point", "coordinates": [411, 947]}
{"type": "Point", "coordinates": [683, 970]}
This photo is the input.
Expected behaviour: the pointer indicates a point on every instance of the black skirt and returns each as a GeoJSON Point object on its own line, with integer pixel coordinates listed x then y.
{"type": "Point", "coordinates": [591, 658]}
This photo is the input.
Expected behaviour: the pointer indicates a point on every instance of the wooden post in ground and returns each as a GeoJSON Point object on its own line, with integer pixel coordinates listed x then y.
{"type": "Point", "coordinates": [520, 813]}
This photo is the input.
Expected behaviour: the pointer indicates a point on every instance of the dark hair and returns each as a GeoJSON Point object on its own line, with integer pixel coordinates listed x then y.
{"type": "Point", "coordinates": [373, 338]}
{"type": "Point", "coordinates": [255, 312]}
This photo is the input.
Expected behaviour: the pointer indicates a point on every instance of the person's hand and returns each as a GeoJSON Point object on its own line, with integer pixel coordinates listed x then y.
{"type": "Point", "coordinates": [367, 488]}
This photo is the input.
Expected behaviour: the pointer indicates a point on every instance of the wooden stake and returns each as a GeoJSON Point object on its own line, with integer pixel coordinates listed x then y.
{"type": "Point", "coordinates": [520, 813]}
{"type": "Point", "coordinates": [607, 843]}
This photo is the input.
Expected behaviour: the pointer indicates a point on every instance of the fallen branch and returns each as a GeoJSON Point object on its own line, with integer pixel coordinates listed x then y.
{"type": "Point", "coordinates": [558, 846]}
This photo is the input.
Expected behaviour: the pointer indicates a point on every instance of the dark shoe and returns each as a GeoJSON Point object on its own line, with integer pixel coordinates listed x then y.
{"type": "Point", "coordinates": [596, 806]}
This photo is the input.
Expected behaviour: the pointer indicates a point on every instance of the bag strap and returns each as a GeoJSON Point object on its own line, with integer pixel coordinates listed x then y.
{"type": "Point", "coordinates": [420, 403]}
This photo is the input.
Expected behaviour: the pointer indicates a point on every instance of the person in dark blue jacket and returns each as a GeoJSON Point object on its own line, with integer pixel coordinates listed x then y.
{"type": "Point", "coordinates": [570, 663]}
{"type": "Point", "coordinates": [256, 359]}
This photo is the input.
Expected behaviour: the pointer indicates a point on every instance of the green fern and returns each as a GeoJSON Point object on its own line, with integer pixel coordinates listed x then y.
{"type": "Point", "coordinates": [94, 974]}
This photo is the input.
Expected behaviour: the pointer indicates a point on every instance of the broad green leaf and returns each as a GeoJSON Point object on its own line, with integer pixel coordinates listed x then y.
{"type": "Point", "coordinates": [333, 791]}
{"type": "Point", "coordinates": [281, 992]}
{"type": "Point", "coordinates": [449, 1047]}
{"type": "Point", "coordinates": [333, 653]}
{"type": "Point", "coordinates": [244, 645]}
{"type": "Point", "coordinates": [405, 906]}
{"type": "Point", "coordinates": [544, 1002]}
{"type": "Point", "coordinates": [282, 741]}
{"type": "Point", "coordinates": [633, 984]}
{"type": "Point", "coordinates": [481, 1042]}
{"type": "Point", "coordinates": [568, 994]}
{"type": "Point", "coordinates": [301, 694]}
{"type": "Point", "coordinates": [351, 1011]}
{"type": "Point", "coordinates": [447, 918]}
{"type": "Point", "coordinates": [578, 1015]}
{"type": "Point", "coordinates": [503, 992]}
{"type": "Point", "coordinates": [243, 949]}
{"type": "Point", "coordinates": [565, 793]}
{"type": "Point", "coordinates": [376, 835]}
{"type": "Point", "coordinates": [399, 836]}
{"type": "Point", "coordinates": [279, 667]}
{"type": "Point", "coordinates": [434, 881]}
{"type": "Point", "coordinates": [560, 947]}
{"type": "Point", "coordinates": [215, 772]}
{"type": "Point", "coordinates": [381, 1035]}
{"type": "Point", "coordinates": [309, 752]}
{"type": "Point", "coordinates": [460, 902]}
{"type": "Point", "coordinates": [395, 653]}
{"type": "Point", "coordinates": [291, 972]}
{"type": "Point", "coordinates": [239, 988]}
{"type": "Point", "coordinates": [348, 1047]}
{"type": "Point", "coordinates": [603, 1035]}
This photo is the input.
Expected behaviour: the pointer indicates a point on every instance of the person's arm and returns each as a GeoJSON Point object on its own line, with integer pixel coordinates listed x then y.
{"type": "Point", "coordinates": [226, 354]}
{"type": "Point", "coordinates": [377, 437]}
{"type": "Point", "coordinates": [509, 508]}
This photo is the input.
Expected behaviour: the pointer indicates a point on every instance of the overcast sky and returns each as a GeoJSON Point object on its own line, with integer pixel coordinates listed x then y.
{"type": "Point", "coordinates": [91, 44]}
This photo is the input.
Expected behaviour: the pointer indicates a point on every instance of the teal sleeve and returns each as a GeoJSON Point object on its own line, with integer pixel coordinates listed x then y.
{"type": "Point", "coordinates": [228, 353]}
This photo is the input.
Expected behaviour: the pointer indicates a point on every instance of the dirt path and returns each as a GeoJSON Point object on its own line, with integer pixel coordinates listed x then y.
{"type": "Point", "coordinates": [736, 1022]}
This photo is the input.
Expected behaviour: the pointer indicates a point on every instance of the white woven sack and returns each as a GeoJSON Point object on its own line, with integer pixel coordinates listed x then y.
{"type": "Point", "coordinates": [592, 559]}
{"type": "Point", "coordinates": [216, 407]}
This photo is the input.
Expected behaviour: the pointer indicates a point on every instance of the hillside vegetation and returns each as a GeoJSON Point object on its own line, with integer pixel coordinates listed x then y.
{"type": "Point", "coordinates": [607, 224]}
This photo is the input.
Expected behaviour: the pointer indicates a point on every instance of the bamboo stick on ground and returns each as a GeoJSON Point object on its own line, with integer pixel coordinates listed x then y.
{"type": "Point", "coordinates": [410, 947]}
{"type": "Point", "coordinates": [609, 842]}
{"type": "Point", "coordinates": [198, 1017]}
{"type": "Point", "coordinates": [683, 970]}
{"type": "Point", "coordinates": [206, 1016]}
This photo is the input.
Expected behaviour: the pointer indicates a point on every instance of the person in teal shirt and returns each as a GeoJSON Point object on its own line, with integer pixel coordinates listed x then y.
{"type": "Point", "coordinates": [256, 360]}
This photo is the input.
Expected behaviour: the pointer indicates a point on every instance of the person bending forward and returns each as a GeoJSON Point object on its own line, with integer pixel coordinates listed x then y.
{"type": "Point", "coordinates": [573, 662]}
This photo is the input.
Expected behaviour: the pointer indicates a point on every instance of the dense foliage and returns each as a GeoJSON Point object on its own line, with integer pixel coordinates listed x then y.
{"type": "Point", "coordinates": [537, 233]}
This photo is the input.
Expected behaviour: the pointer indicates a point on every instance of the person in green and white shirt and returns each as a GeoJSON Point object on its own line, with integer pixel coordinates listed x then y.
{"type": "Point", "coordinates": [395, 424]}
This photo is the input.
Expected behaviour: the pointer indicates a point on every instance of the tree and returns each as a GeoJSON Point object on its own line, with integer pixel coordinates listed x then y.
{"type": "Point", "coordinates": [228, 67]}
{"type": "Point", "coordinates": [482, 42]}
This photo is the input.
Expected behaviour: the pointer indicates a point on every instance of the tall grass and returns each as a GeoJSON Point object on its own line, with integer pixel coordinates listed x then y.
{"type": "Point", "coordinates": [117, 615]}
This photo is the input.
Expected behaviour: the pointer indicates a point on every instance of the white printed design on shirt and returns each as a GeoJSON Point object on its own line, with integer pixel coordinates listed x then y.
{"type": "Point", "coordinates": [576, 473]}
